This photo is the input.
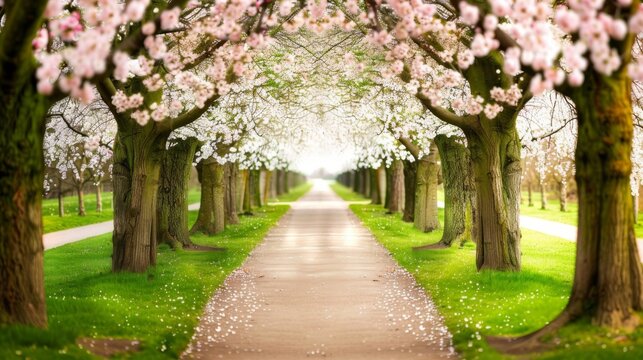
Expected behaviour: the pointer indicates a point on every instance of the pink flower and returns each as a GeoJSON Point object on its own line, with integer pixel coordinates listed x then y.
{"type": "Point", "coordinates": [470, 14]}
{"type": "Point", "coordinates": [121, 63]}
{"type": "Point", "coordinates": [170, 19]}
{"type": "Point", "coordinates": [41, 40]}
{"type": "Point", "coordinates": [149, 28]}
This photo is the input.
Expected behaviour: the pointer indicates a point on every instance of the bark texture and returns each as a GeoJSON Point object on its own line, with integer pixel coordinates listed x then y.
{"type": "Point", "coordinates": [562, 193]}
{"type": "Point", "coordinates": [22, 125]}
{"type": "Point", "coordinates": [426, 193]}
{"type": "Point", "coordinates": [410, 186]}
{"type": "Point", "coordinates": [395, 204]}
{"type": "Point", "coordinates": [454, 158]}
{"type": "Point", "coordinates": [81, 200]}
{"type": "Point", "coordinates": [61, 200]}
{"type": "Point", "coordinates": [172, 210]}
{"type": "Point", "coordinates": [495, 153]}
{"type": "Point", "coordinates": [375, 187]}
{"type": "Point", "coordinates": [608, 280]}
{"type": "Point", "coordinates": [211, 218]}
{"type": "Point", "coordinates": [138, 152]}
{"type": "Point", "coordinates": [231, 176]}
{"type": "Point", "coordinates": [99, 197]}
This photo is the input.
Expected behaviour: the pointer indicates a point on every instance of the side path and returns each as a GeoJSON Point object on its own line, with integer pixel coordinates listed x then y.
{"type": "Point", "coordinates": [320, 286]}
{"type": "Point", "coordinates": [59, 238]}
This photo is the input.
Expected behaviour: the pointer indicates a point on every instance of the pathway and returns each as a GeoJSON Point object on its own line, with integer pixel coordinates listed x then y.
{"type": "Point", "coordinates": [58, 238]}
{"type": "Point", "coordinates": [553, 228]}
{"type": "Point", "coordinates": [320, 286]}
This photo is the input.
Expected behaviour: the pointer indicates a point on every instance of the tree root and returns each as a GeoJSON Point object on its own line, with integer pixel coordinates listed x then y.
{"type": "Point", "coordinates": [436, 246]}
{"type": "Point", "coordinates": [203, 248]}
{"type": "Point", "coordinates": [532, 342]}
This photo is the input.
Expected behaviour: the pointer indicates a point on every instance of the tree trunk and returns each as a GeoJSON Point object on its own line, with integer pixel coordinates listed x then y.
{"type": "Point", "coordinates": [211, 218]}
{"type": "Point", "coordinates": [426, 193]}
{"type": "Point", "coordinates": [530, 196]}
{"type": "Point", "coordinates": [172, 210]}
{"type": "Point", "coordinates": [375, 187]}
{"type": "Point", "coordinates": [81, 200]}
{"type": "Point", "coordinates": [231, 174]}
{"type": "Point", "coordinates": [247, 194]}
{"type": "Point", "coordinates": [496, 163]}
{"type": "Point", "coordinates": [608, 282]}
{"type": "Point", "coordinates": [635, 200]}
{"type": "Point", "coordinates": [366, 175]}
{"type": "Point", "coordinates": [543, 196]}
{"type": "Point", "coordinates": [255, 176]}
{"type": "Point", "coordinates": [138, 152]}
{"type": "Point", "coordinates": [219, 197]}
{"type": "Point", "coordinates": [278, 182]}
{"type": "Point", "coordinates": [99, 197]}
{"type": "Point", "coordinates": [22, 127]}
{"type": "Point", "coordinates": [388, 175]}
{"type": "Point", "coordinates": [454, 158]}
{"type": "Point", "coordinates": [410, 185]}
{"type": "Point", "coordinates": [357, 185]}
{"type": "Point", "coordinates": [608, 279]}
{"type": "Point", "coordinates": [562, 190]}
{"type": "Point", "coordinates": [286, 181]}
{"type": "Point", "coordinates": [61, 199]}
{"type": "Point", "coordinates": [267, 187]}
{"type": "Point", "coordinates": [397, 187]}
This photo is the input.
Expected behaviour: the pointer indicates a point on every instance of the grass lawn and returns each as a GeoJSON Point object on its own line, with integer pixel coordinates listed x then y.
{"type": "Point", "coordinates": [158, 308]}
{"type": "Point", "coordinates": [294, 194]}
{"type": "Point", "coordinates": [52, 222]}
{"type": "Point", "coordinates": [553, 212]}
{"type": "Point", "coordinates": [476, 305]}
{"type": "Point", "coordinates": [346, 193]}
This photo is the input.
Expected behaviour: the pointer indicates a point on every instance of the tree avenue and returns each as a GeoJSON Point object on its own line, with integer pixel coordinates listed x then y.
{"type": "Point", "coordinates": [478, 98]}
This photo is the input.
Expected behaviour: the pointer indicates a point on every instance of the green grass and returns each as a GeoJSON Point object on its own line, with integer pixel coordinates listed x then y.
{"type": "Point", "coordinates": [346, 193]}
{"type": "Point", "coordinates": [159, 308]}
{"type": "Point", "coordinates": [294, 194]}
{"type": "Point", "coordinates": [553, 213]}
{"type": "Point", "coordinates": [478, 304]}
{"type": "Point", "coordinates": [52, 222]}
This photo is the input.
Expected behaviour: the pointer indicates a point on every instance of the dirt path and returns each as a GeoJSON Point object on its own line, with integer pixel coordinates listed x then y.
{"type": "Point", "coordinates": [320, 286]}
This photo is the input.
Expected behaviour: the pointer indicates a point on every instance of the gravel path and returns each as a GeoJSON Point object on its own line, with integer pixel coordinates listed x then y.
{"type": "Point", "coordinates": [320, 286]}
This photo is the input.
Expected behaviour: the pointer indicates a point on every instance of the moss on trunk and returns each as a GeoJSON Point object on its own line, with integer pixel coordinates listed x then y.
{"type": "Point", "coordinates": [172, 210]}
{"type": "Point", "coordinates": [410, 186]}
{"type": "Point", "coordinates": [608, 281]}
{"type": "Point", "coordinates": [231, 176]}
{"type": "Point", "coordinates": [22, 126]}
{"type": "Point", "coordinates": [454, 158]}
{"type": "Point", "coordinates": [396, 202]}
{"type": "Point", "coordinates": [426, 192]}
{"type": "Point", "coordinates": [495, 153]}
{"type": "Point", "coordinates": [138, 152]}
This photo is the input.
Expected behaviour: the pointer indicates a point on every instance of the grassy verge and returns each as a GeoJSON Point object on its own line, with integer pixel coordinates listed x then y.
{"type": "Point", "coordinates": [475, 305]}
{"type": "Point", "coordinates": [52, 222]}
{"type": "Point", "coordinates": [346, 193]}
{"type": "Point", "coordinates": [158, 308]}
{"type": "Point", "coordinates": [294, 194]}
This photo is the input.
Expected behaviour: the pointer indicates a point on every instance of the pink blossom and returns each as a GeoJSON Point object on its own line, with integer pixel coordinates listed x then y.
{"type": "Point", "coordinates": [142, 117]}
{"type": "Point", "coordinates": [470, 14]}
{"type": "Point", "coordinates": [149, 28]}
{"type": "Point", "coordinates": [54, 8]}
{"type": "Point", "coordinates": [170, 19]}
{"type": "Point", "coordinates": [121, 64]}
{"type": "Point", "coordinates": [41, 40]}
